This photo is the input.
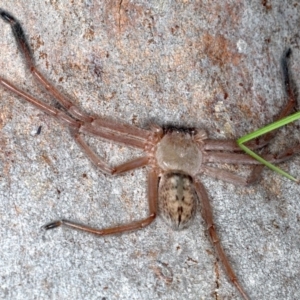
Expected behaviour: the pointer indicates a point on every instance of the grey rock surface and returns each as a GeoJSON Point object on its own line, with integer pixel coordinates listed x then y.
{"type": "Point", "coordinates": [207, 64]}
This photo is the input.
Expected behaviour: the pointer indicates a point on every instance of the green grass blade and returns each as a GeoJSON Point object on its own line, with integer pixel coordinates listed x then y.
{"type": "Point", "coordinates": [269, 128]}
{"type": "Point", "coordinates": [265, 130]}
{"type": "Point", "coordinates": [266, 163]}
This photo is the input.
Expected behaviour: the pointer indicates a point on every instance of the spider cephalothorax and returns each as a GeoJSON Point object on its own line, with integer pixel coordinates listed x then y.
{"type": "Point", "coordinates": [179, 151]}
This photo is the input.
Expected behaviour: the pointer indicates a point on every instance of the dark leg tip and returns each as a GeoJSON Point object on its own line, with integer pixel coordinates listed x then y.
{"type": "Point", "coordinates": [288, 52]}
{"type": "Point", "coordinates": [6, 16]}
{"type": "Point", "coordinates": [52, 225]}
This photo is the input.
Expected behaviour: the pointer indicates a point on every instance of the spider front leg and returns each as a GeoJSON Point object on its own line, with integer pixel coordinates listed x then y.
{"type": "Point", "coordinates": [285, 111]}
{"type": "Point", "coordinates": [115, 132]}
{"type": "Point", "coordinates": [152, 202]}
{"type": "Point", "coordinates": [208, 218]}
{"type": "Point", "coordinates": [257, 143]}
{"type": "Point", "coordinates": [54, 112]}
{"type": "Point", "coordinates": [27, 53]}
{"type": "Point", "coordinates": [290, 91]}
{"type": "Point", "coordinates": [107, 129]}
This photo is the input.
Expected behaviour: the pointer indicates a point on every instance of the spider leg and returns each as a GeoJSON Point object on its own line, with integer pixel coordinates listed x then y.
{"type": "Point", "coordinates": [208, 218]}
{"type": "Point", "coordinates": [238, 158]}
{"type": "Point", "coordinates": [54, 112]}
{"type": "Point", "coordinates": [152, 201]}
{"type": "Point", "coordinates": [27, 53]}
{"type": "Point", "coordinates": [234, 158]}
{"type": "Point", "coordinates": [227, 176]}
{"type": "Point", "coordinates": [121, 133]}
{"type": "Point", "coordinates": [264, 140]}
{"type": "Point", "coordinates": [285, 111]}
{"type": "Point", "coordinates": [118, 135]}
{"type": "Point", "coordinates": [228, 145]}
{"type": "Point", "coordinates": [103, 166]}
{"type": "Point", "coordinates": [290, 106]}
{"type": "Point", "coordinates": [102, 127]}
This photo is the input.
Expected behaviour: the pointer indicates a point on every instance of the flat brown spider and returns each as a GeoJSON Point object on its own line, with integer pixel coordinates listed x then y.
{"type": "Point", "coordinates": [175, 157]}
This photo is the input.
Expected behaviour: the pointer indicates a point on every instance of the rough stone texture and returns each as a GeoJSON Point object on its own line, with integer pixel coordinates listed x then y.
{"type": "Point", "coordinates": [209, 64]}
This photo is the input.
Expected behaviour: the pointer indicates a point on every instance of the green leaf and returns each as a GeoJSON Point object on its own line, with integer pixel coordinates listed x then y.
{"type": "Point", "coordinates": [265, 130]}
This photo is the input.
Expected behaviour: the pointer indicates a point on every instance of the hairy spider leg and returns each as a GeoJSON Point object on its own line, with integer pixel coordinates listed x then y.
{"type": "Point", "coordinates": [207, 215]}
{"type": "Point", "coordinates": [101, 127]}
{"type": "Point", "coordinates": [103, 166]}
{"type": "Point", "coordinates": [285, 111]}
{"type": "Point", "coordinates": [29, 60]}
{"type": "Point", "coordinates": [218, 157]}
{"type": "Point", "coordinates": [245, 159]}
{"type": "Point", "coordinates": [111, 130]}
{"type": "Point", "coordinates": [290, 106]}
{"type": "Point", "coordinates": [258, 143]}
{"type": "Point", "coordinates": [152, 201]}
{"type": "Point", "coordinates": [236, 158]}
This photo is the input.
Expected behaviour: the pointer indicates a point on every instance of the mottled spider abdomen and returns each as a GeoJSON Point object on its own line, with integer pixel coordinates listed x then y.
{"type": "Point", "coordinates": [177, 199]}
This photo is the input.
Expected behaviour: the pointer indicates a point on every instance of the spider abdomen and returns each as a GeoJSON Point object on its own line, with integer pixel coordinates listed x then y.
{"type": "Point", "coordinates": [177, 199]}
